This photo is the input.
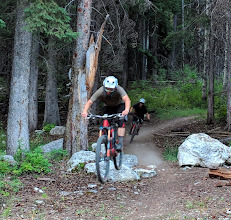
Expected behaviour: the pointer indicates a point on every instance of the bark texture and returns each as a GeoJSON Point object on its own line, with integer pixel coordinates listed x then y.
{"type": "Point", "coordinates": [33, 90]}
{"type": "Point", "coordinates": [51, 114]}
{"type": "Point", "coordinates": [76, 128]}
{"type": "Point", "coordinates": [17, 125]}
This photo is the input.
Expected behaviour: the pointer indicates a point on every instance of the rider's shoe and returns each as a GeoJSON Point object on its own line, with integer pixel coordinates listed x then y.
{"type": "Point", "coordinates": [118, 147]}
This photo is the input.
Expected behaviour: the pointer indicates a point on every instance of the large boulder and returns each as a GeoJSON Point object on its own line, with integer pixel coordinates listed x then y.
{"type": "Point", "coordinates": [81, 157]}
{"type": "Point", "coordinates": [202, 150]}
{"type": "Point", "coordinates": [122, 175]}
{"type": "Point", "coordinates": [54, 145]}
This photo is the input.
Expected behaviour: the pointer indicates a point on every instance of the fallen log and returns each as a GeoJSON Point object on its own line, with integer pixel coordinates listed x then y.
{"type": "Point", "coordinates": [219, 133]}
{"type": "Point", "coordinates": [220, 184]}
{"type": "Point", "coordinates": [221, 173]}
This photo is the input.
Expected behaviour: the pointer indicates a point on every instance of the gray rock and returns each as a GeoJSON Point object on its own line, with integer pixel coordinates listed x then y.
{"type": "Point", "coordinates": [80, 157]}
{"type": "Point", "coordinates": [202, 150]}
{"type": "Point", "coordinates": [39, 132]}
{"type": "Point", "coordinates": [144, 173]}
{"type": "Point", "coordinates": [130, 160]}
{"type": "Point", "coordinates": [57, 130]}
{"type": "Point", "coordinates": [54, 145]}
{"type": "Point", "coordinates": [9, 159]}
{"type": "Point", "coordinates": [123, 175]}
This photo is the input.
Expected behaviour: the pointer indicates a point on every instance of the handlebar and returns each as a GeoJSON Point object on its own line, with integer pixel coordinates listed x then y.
{"type": "Point", "coordinates": [106, 116]}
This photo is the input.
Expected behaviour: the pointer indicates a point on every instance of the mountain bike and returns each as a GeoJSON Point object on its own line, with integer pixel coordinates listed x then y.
{"type": "Point", "coordinates": [135, 126]}
{"type": "Point", "coordinates": [106, 145]}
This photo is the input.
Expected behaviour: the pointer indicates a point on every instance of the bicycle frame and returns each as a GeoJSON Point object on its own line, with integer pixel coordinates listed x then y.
{"type": "Point", "coordinates": [109, 130]}
{"type": "Point", "coordinates": [137, 122]}
{"type": "Point", "coordinates": [111, 152]}
{"type": "Point", "coordinates": [135, 126]}
{"type": "Point", "coordinates": [105, 149]}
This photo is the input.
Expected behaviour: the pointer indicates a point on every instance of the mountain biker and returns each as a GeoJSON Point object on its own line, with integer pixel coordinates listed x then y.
{"type": "Point", "coordinates": [115, 100]}
{"type": "Point", "coordinates": [139, 110]}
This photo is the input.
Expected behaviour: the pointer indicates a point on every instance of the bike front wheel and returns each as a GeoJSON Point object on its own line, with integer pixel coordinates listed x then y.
{"type": "Point", "coordinates": [133, 132]}
{"type": "Point", "coordinates": [118, 160]}
{"type": "Point", "coordinates": [102, 161]}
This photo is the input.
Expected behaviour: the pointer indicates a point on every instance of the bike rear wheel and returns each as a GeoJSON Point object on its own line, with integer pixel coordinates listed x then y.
{"type": "Point", "coordinates": [102, 161]}
{"type": "Point", "coordinates": [133, 132]}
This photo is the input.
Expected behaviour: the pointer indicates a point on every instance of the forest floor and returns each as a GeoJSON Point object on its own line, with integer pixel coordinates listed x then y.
{"type": "Point", "coordinates": [175, 193]}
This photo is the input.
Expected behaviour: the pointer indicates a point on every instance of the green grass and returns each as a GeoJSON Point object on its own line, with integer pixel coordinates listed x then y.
{"type": "Point", "coordinates": [177, 113]}
{"type": "Point", "coordinates": [170, 154]}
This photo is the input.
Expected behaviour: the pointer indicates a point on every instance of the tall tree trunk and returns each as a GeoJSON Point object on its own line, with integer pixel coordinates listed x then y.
{"type": "Point", "coordinates": [51, 114]}
{"type": "Point", "coordinates": [17, 125]}
{"type": "Point", "coordinates": [226, 61]}
{"type": "Point", "coordinates": [144, 48]}
{"type": "Point", "coordinates": [228, 76]}
{"type": "Point", "coordinates": [33, 90]}
{"type": "Point", "coordinates": [210, 114]}
{"type": "Point", "coordinates": [206, 58]}
{"type": "Point", "coordinates": [76, 128]}
{"type": "Point", "coordinates": [125, 70]}
{"type": "Point", "coordinates": [173, 53]}
{"type": "Point", "coordinates": [182, 43]}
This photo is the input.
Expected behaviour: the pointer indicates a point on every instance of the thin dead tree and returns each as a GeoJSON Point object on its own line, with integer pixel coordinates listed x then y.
{"type": "Point", "coordinates": [85, 62]}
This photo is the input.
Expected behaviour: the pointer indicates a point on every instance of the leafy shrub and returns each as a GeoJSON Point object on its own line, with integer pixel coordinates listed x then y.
{"type": "Point", "coordinates": [220, 109]}
{"type": "Point", "coordinates": [170, 153]}
{"type": "Point", "coordinates": [8, 186]}
{"type": "Point", "coordinates": [48, 127]}
{"type": "Point", "coordinates": [37, 141]}
{"type": "Point", "coordinates": [5, 167]}
{"type": "Point", "coordinates": [58, 155]}
{"type": "Point", "coordinates": [182, 96]}
{"type": "Point", "coordinates": [2, 139]}
{"type": "Point", "coordinates": [191, 94]}
{"type": "Point", "coordinates": [30, 162]}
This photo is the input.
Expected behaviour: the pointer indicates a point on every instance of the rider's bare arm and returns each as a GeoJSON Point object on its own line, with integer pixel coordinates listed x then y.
{"type": "Point", "coordinates": [127, 105]}
{"type": "Point", "coordinates": [86, 107]}
{"type": "Point", "coordinates": [148, 116]}
{"type": "Point", "coordinates": [131, 109]}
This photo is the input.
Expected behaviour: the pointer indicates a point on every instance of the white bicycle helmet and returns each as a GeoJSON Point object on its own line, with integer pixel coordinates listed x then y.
{"type": "Point", "coordinates": [110, 83]}
{"type": "Point", "coordinates": [142, 100]}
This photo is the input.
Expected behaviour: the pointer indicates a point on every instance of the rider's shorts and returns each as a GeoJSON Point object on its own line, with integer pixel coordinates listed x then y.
{"type": "Point", "coordinates": [114, 110]}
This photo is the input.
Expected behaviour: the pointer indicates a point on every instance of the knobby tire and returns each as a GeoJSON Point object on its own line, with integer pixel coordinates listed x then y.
{"type": "Point", "coordinates": [133, 132]}
{"type": "Point", "coordinates": [102, 162]}
{"type": "Point", "coordinates": [118, 160]}
{"type": "Point", "coordinates": [119, 155]}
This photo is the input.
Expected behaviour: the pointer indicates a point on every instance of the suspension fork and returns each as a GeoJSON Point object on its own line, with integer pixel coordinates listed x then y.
{"type": "Point", "coordinates": [109, 141]}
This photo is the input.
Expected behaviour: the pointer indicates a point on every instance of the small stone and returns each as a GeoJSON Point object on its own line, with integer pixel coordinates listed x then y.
{"type": "Point", "coordinates": [39, 202]}
{"type": "Point", "coordinates": [91, 185]}
{"type": "Point", "coordinates": [112, 189]}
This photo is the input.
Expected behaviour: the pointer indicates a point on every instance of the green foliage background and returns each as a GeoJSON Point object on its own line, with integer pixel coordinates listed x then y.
{"type": "Point", "coordinates": [47, 17]}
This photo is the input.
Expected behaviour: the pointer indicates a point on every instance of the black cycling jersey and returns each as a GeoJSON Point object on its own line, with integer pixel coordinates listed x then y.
{"type": "Point", "coordinates": [140, 111]}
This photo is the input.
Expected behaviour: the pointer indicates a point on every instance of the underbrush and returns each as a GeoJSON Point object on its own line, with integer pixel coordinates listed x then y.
{"type": "Point", "coordinates": [26, 162]}
{"type": "Point", "coordinates": [176, 113]}
{"type": "Point", "coordinates": [170, 153]}
{"type": "Point", "coordinates": [183, 98]}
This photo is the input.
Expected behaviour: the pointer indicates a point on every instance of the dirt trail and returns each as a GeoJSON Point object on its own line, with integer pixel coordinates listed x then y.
{"type": "Point", "coordinates": [175, 193]}
{"type": "Point", "coordinates": [144, 147]}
